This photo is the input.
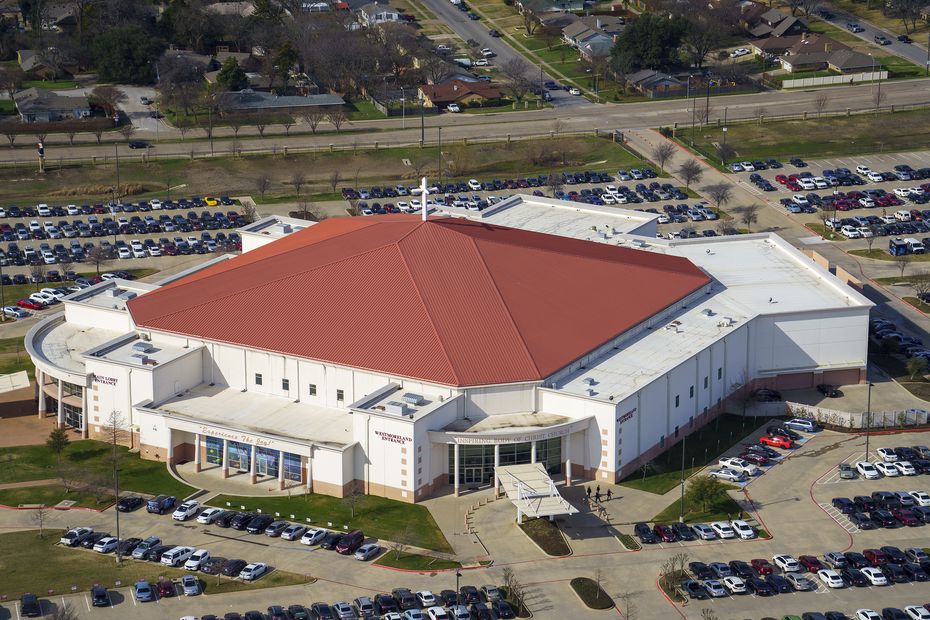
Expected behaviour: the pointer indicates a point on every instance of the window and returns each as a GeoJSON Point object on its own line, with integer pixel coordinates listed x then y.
{"type": "Point", "coordinates": [691, 392]}
{"type": "Point", "coordinates": [676, 400]}
{"type": "Point", "coordinates": [719, 374]}
{"type": "Point", "coordinates": [312, 389]}
{"type": "Point", "coordinates": [676, 431]}
{"type": "Point", "coordinates": [340, 396]}
{"type": "Point", "coordinates": [705, 382]}
{"type": "Point", "coordinates": [285, 384]}
{"type": "Point", "coordinates": [662, 441]}
{"type": "Point", "coordinates": [258, 378]}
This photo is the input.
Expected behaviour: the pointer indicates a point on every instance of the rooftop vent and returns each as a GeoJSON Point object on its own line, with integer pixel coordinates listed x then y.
{"type": "Point", "coordinates": [127, 295]}
{"type": "Point", "coordinates": [590, 392]}
{"type": "Point", "coordinates": [395, 408]}
{"type": "Point", "coordinates": [590, 381]}
{"type": "Point", "coordinates": [412, 399]}
{"type": "Point", "coordinates": [143, 347]}
{"type": "Point", "coordinates": [285, 228]}
{"type": "Point", "coordinates": [707, 312]}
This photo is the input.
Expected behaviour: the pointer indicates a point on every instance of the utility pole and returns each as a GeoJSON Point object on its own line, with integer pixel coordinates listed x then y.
{"type": "Point", "coordinates": [422, 125]}
{"type": "Point", "coordinates": [403, 109]}
{"type": "Point", "coordinates": [440, 155]}
{"type": "Point", "coordinates": [681, 507]}
{"type": "Point", "coordinates": [116, 150]}
{"type": "Point", "coordinates": [868, 420]}
{"type": "Point", "coordinates": [115, 482]}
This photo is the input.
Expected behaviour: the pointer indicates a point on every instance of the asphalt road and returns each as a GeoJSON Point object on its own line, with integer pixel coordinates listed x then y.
{"type": "Point", "coordinates": [910, 51]}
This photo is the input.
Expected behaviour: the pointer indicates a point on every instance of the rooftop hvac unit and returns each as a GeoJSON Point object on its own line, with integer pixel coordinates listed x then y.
{"type": "Point", "coordinates": [589, 381]}
{"type": "Point", "coordinates": [143, 347]}
{"type": "Point", "coordinates": [113, 292]}
{"type": "Point", "coordinates": [412, 399]}
{"type": "Point", "coordinates": [285, 229]}
{"type": "Point", "coordinates": [707, 312]}
{"type": "Point", "coordinates": [395, 408]}
{"type": "Point", "coordinates": [725, 322]}
{"type": "Point", "coordinates": [127, 295]}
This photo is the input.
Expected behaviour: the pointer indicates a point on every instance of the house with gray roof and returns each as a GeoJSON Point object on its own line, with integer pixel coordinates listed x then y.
{"type": "Point", "coordinates": [36, 105]}
{"type": "Point", "coordinates": [250, 101]}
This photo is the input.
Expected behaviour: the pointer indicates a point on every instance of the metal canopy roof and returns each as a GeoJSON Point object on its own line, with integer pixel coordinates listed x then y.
{"type": "Point", "coordinates": [532, 491]}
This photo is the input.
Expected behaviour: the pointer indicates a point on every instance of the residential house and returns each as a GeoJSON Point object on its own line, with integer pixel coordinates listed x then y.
{"type": "Point", "coordinates": [813, 52]}
{"type": "Point", "coordinates": [596, 48]}
{"type": "Point", "coordinates": [36, 105]}
{"type": "Point", "coordinates": [655, 84]}
{"type": "Point", "coordinates": [59, 18]}
{"type": "Point", "coordinates": [542, 7]}
{"type": "Point", "coordinates": [458, 91]}
{"type": "Point", "coordinates": [772, 23]}
{"type": "Point", "coordinates": [849, 61]}
{"type": "Point", "coordinates": [375, 14]}
{"type": "Point", "coordinates": [250, 101]}
{"type": "Point", "coordinates": [610, 25]}
{"type": "Point", "coordinates": [33, 64]}
{"type": "Point", "coordinates": [240, 9]}
{"type": "Point", "coordinates": [589, 40]}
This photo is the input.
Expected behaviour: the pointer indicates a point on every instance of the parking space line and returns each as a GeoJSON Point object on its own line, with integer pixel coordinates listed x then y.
{"type": "Point", "coordinates": [87, 602]}
{"type": "Point", "coordinates": [16, 607]}
{"type": "Point", "coordinates": [133, 595]}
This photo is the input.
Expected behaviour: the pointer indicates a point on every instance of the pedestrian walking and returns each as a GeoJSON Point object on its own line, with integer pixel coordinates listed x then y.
{"type": "Point", "coordinates": [598, 490]}
{"type": "Point", "coordinates": [597, 495]}
{"type": "Point", "coordinates": [609, 494]}
{"type": "Point", "coordinates": [589, 492]}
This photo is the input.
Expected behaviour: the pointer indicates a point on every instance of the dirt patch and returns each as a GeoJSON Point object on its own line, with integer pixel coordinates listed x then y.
{"type": "Point", "coordinates": [126, 189]}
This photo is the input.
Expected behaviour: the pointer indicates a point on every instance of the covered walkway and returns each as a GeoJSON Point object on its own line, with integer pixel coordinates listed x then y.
{"type": "Point", "coordinates": [532, 491]}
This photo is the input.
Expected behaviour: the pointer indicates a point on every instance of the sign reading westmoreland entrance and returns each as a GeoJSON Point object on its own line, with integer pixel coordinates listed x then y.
{"type": "Point", "coordinates": [512, 438]}
{"type": "Point", "coordinates": [392, 437]}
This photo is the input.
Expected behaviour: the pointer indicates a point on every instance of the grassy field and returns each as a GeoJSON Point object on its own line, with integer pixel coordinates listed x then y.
{"type": "Point", "coordinates": [414, 561]}
{"type": "Point", "coordinates": [361, 168]}
{"type": "Point", "coordinates": [721, 511]}
{"type": "Point", "coordinates": [701, 448]}
{"type": "Point", "coordinates": [13, 357]}
{"type": "Point", "coordinates": [900, 68]}
{"type": "Point", "coordinates": [884, 255]}
{"type": "Point", "coordinates": [547, 535]}
{"type": "Point", "coordinates": [380, 517]}
{"type": "Point", "coordinates": [827, 137]}
{"type": "Point", "coordinates": [89, 458]}
{"type": "Point", "coordinates": [363, 111]}
{"type": "Point", "coordinates": [896, 367]}
{"type": "Point", "coordinates": [60, 569]}
{"type": "Point", "coordinates": [52, 494]}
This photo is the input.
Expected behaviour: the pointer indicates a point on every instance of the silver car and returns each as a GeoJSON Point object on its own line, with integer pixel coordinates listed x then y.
{"type": "Point", "coordinates": [800, 582]}
{"type": "Point", "coordinates": [191, 585]}
{"type": "Point", "coordinates": [704, 531]}
{"type": "Point", "coordinates": [293, 531]}
{"type": "Point", "coordinates": [344, 611]}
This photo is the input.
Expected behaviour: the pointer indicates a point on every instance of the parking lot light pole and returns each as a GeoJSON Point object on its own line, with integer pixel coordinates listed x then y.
{"type": "Point", "coordinates": [681, 508]}
{"type": "Point", "coordinates": [868, 419]}
{"type": "Point", "coordinates": [458, 598]}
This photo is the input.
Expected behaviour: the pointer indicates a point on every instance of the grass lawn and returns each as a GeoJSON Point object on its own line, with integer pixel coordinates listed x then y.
{"type": "Point", "coordinates": [917, 303]}
{"type": "Point", "coordinates": [628, 541]}
{"type": "Point", "coordinates": [898, 280]}
{"type": "Point", "coordinates": [13, 357]}
{"type": "Point", "coordinates": [52, 494]}
{"type": "Point", "coordinates": [721, 511]}
{"type": "Point", "coordinates": [591, 594]}
{"type": "Point", "coordinates": [900, 68]}
{"type": "Point", "coordinates": [826, 137]}
{"type": "Point", "coordinates": [547, 535]}
{"type": "Point", "coordinates": [884, 255]}
{"type": "Point", "coordinates": [61, 568]}
{"type": "Point", "coordinates": [50, 84]}
{"type": "Point", "coordinates": [414, 561]}
{"type": "Point", "coordinates": [382, 518]}
{"type": "Point", "coordinates": [896, 367]}
{"type": "Point", "coordinates": [363, 111]}
{"type": "Point", "coordinates": [826, 233]}
{"type": "Point", "coordinates": [7, 106]}
{"type": "Point", "coordinates": [701, 448]}
{"type": "Point", "coordinates": [781, 77]}
{"type": "Point", "coordinates": [22, 463]}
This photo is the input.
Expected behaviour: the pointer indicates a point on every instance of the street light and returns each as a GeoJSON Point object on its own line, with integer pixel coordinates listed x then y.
{"type": "Point", "coordinates": [403, 109]}
{"type": "Point", "coordinates": [723, 149]}
{"type": "Point", "coordinates": [458, 575]}
{"type": "Point", "coordinates": [868, 419]}
{"type": "Point", "coordinates": [681, 507]}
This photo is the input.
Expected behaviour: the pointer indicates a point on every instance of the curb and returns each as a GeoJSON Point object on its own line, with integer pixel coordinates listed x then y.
{"type": "Point", "coordinates": [40, 507]}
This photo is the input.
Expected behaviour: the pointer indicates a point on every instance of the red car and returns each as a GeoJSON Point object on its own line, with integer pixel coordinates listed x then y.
{"type": "Point", "coordinates": [754, 457]}
{"type": "Point", "coordinates": [906, 516]}
{"type": "Point", "coordinates": [875, 556]}
{"type": "Point", "coordinates": [28, 303]}
{"type": "Point", "coordinates": [780, 178]}
{"type": "Point", "coordinates": [776, 441]}
{"type": "Point", "coordinates": [811, 563]}
{"type": "Point", "coordinates": [664, 532]}
{"type": "Point", "coordinates": [165, 588]}
{"type": "Point", "coordinates": [762, 566]}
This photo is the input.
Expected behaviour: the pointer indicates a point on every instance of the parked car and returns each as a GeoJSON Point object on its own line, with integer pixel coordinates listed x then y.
{"type": "Point", "coordinates": [160, 504]}
{"type": "Point", "coordinates": [128, 503]}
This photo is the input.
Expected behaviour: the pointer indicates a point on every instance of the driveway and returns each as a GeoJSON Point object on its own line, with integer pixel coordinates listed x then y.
{"type": "Point", "coordinates": [139, 113]}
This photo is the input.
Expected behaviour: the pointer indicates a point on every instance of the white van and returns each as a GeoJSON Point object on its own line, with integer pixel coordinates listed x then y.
{"type": "Point", "coordinates": [902, 215]}
{"type": "Point", "coordinates": [177, 556]}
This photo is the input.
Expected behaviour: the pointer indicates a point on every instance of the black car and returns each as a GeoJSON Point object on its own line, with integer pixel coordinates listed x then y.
{"type": "Point", "coordinates": [827, 390]}
{"type": "Point", "coordinates": [644, 533]}
{"type": "Point", "coordinates": [322, 611]}
{"type": "Point", "coordinates": [893, 613]}
{"type": "Point", "coordinates": [915, 572]}
{"type": "Point", "coordinates": [385, 603]}
{"type": "Point", "coordinates": [894, 554]}
{"type": "Point", "coordinates": [864, 503]}
{"type": "Point", "coordinates": [129, 503]}
{"type": "Point", "coordinates": [213, 566]}
{"type": "Point", "coordinates": [480, 611]}
{"type": "Point", "coordinates": [232, 568]}
{"type": "Point", "coordinates": [330, 540]}
{"type": "Point", "coordinates": [225, 519]}
{"type": "Point", "coordinates": [154, 554]}
{"type": "Point", "coordinates": [742, 569]}
{"type": "Point", "coordinates": [257, 524]}
{"type": "Point", "coordinates": [494, 33]}
{"type": "Point", "coordinates": [449, 598]}
{"type": "Point", "coordinates": [903, 38]}
{"type": "Point", "coordinates": [886, 500]}
{"type": "Point", "coordinates": [694, 590]}
{"type": "Point", "coordinates": [782, 432]}
{"type": "Point", "coordinates": [765, 451]}
{"type": "Point", "coordinates": [296, 612]}
{"type": "Point", "coordinates": [29, 606]}
{"type": "Point", "coordinates": [254, 614]}
{"type": "Point", "coordinates": [683, 531]}
{"type": "Point", "coordinates": [701, 570]}
{"type": "Point", "coordinates": [99, 597]}
{"type": "Point", "coordinates": [797, 162]}
{"type": "Point", "coordinates": [469, 595]}
{"type": "Point", "coordinates": [884, 519]}
{"type": "Point", "coordinates": [844, 505]}
{"type": "Point", "coordinates": [242, 520]}
{"type": "Point", "coordinates": [778, 583]}
{"type": "Point", "coordinates": [126, 546]}
{"type": "Point", "coordinates": [405, 598]}
{"type": "Point", "coordinates": [862, 521]}
{"type": "Point", "coordinates": [857, 560]}
{"type": "Point", "coordinates": [813, 615]}
{"type": "Point", "coordinates": [894, 573]}
{"type": "Point", "coordinates": [501, 609]}
{"type": "Point", "coordinates": [93, 539]}
{"type": "Point", "coordinates": [276, 612]}
{"type": "Point", "coordinates": [138, 144]}
{"type": "Point", "coordinates": [759, 587]}
{"type": "Point", "coordinates": [854, 577]}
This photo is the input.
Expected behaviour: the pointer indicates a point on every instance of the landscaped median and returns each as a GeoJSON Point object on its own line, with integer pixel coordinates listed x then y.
{"type": "Point", "coordinates": [30, 563]}
{"type": "Point", "coordinates": [547, 536]}
{"type": "Point", "coordinates": [379, 517]}
{"type": "Point", "coordinates": [591, 593]}
{"type": "Point", "coordinates": [414, 562]}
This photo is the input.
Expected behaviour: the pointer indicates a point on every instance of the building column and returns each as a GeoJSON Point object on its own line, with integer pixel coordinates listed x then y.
{"type": "Point", "coordinates": [225, 458]}
{"type": "Point", "coordinates": [497, 463]}
{"type": "Point", "coordinates": [252, 475]}
{"type": "Point", "coordinates": [40, 383]}
{"type": "Point", "coordinates": [280, 470]}
{"type": "Point", "coordinates": [169, 453]}
{"type": "Point", "coordinates": [455, 469]}
{"type": "Point", "coordinates": [568, 460]}
{"type": "Point", "coordinates": [532, 452]}
{"type": "Point", "coordinates": [197, 464]}
{"type": "Point", "coordinates": [61, 406]}
{"type": "Point", "coordinates": [310, 472]}
{"type": "Point", "coordinates": [85, 412]}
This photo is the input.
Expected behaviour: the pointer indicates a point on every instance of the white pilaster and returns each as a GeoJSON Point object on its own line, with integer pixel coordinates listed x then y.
{"type": "Point", "coordinates": [225, 458]}
{"type": "Point", "coordinates": [532, 452]}
{"type": "Point", "coordinates": [281, 470]}
{"type": "Point", "coordinates": [61, 405]}
{"type": "Point", "coordinates": [197, 464]}
{"type": "Point", "coordinates": [568, 459]}
{"type": "Point", "coordinates": [455, 468]}
{"type": "Point", "coordinates": [252, 475]}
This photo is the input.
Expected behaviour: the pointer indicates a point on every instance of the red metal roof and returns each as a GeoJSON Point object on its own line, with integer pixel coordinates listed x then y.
{"type": "Point", "coordinates": [448, 301]}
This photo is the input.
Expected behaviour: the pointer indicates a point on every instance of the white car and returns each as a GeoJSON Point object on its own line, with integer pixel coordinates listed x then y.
{"type": "Point", "coordinates": [875, 177]}
{"type": "Point", "coordinates": [739, 464]}
{"type": "Point", "coordinates": [197, 559]}
{"type": "Point", "coordinates": [722, 529]}
{"type": "Point", "coordinates": [734, 584]}
{"type": "Point", "coordinates": [807, 184]}
{"type": "Point", "coordinates": [186, 510]}
{"type": "Point", "coordinates": [863, 169]}
{"type": "Point", "coordinates": [916, 612]}
{"type": "Point", "coordinates": [474, 185]}
{"type": "Point", "coordinates": [867, 614]}
{"type": "Point", "coordinates": [177, 556]}
{"type": "Point", "coordinates": [73, 534]}
{"type": "Point", "coordinates": [747, 166]}
{"type": "Point", "coordinates": [921, 498]}
{"type": "Point", "coordinates": [786, 563]}
{"type": "Point", "coordinates": [481, 62]}
{"type": "Point", "coordinates": [743, 529]}
{"type": "Point", "coordinates": [736, 167]}
{"type": "Point", "coordinates": [343, 610]}
{"type": "Point", "coordinates": [453, 107]}
{"type": "Point", "coordinates": [800, 583]}
{"type": "Point", "coordinates": [437, 613]}
{"type": "Point", "coordinates": [730, 475]}
{"type": "Point", "coordinates": [850, 232]}
{"type": "Point", "coordinates": [905, 468]}
{"type": "Point", "coordinates": [800, 200]}
{"type": "Point", "coordinates": [715, 588]}
{"type": "Point", "coordinates": [867, 470]}
{"type": "Point", "coordinates": [740, 51]}
{"type": "Point", "coordinates": [574, 91]}
{"type": "Point", "coordinates": [209, 515]}
{"type": "Point", "coordinates": [313, 537]}
{"type": "Point", "coordinates": [106, 545]}
{"type": "Point", "coordinates": [887, 469]}
{"type": "Point", "coordinates": [831, 578]}
{"type": "Point", "coordinates": [874, 576]}
{"type": "Point", "coordinates": [888, 455]}
{"type": "Point", "coordinates": [426, 598]}
{"type": "Point", "coordinates": [253, 571]}
{"type": "Point", "coordinates": [704, 531]}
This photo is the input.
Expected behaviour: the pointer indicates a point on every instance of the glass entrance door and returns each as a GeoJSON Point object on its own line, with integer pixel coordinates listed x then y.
{"type": "Point", "coordinates": [473, 475]}
{"type": "Point", "coordinates": [266, 462]}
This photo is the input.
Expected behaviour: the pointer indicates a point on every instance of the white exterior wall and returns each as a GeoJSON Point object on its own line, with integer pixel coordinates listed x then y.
{"type": "Point", "coordinates": [177, 375]}
{"type": "Point", "coordinates": [116, 387]}
{"type": "Point", "coordinates": [154, 435]}
{"type": "Point", "coordinates": [92, 316]}
{"type": "Point", "coordinates": [501, 399]}
{"type": "Point", "coordinates": [328, 466]}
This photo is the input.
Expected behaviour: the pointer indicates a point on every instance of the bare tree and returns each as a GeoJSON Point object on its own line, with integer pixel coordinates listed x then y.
{"type": "Point", "coordinates": [334, 179]}
{"type": "Point", "coordinates": [38, 272]}
{"type": "Point", "coordinates": [97, 256]}
{"type": "Point", "coordinates": [554, 181]}
{"type": "Point", "coordinates": [703, 112]}
{"type": "Point", "coordinates": [235, 123]}
{"type": "Point", "coordinates": [719, 194]}
{"type": "Point", "coordinates": [109, 98]}
{"type": "Point", "coordinates": [10, 130]}
{"type": "Point", "coordinates": [530, 21]}
{"type": "Point", "coordinates": [261, 123]}
{"type": "Point", "coordinates": [313, 118]}
{"type": "Point", "coordinates": [820, 103]}
{"type": "Point", "coordinates": [287, 124]}
{"type": "Point", "coordinates": [249, 212]}
{"type": "Point", "coordinates": [516, 71]}
{"type": "Point", "coordinates": [337, 117]}
{"type": "Point", "coordinates": [708, 614]}
{"type": "Point", "coordinates": [749, 215]}
{"type": "Point", "coordinates": [65, 611]}
{"type": "Point", "coordinates": [902, 261]}
{"type": "Point", "coordinates": [690, 172]}
{"type": "Point", "coordinates": [352, 501]}
{"type": "Point", "coordinates": [262, 184]}
{"type": "Point", "coordinates": [39, 517]}
{"type": "Point", "coordinates": [879, 97]}
{"type": "Point", "coordinates": [127, 131]}
{"type": "Point", "coordinates": [298, 180]}
{"type": "Point", "coordinates": [920, 282]}
{"type": "Point", "coordinates": [662, 153]}
{"type": "Point", "coordinates": [725, 152]}
{"type": "Point", "coordinates": [98, 133]}
{"type": "Point", "coordinates": [627, 605]}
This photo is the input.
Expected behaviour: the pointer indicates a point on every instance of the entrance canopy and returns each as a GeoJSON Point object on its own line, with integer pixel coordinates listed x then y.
{"type": "Point", "coordinates": [532, 491]}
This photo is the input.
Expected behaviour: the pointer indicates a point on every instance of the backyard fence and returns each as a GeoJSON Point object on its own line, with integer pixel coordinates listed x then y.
{"type": "Point", "coordinates": [835, 80]}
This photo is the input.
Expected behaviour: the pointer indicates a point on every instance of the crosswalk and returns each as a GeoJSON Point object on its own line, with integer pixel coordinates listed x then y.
{"type": "Point", "coordinates": [840, 518]}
